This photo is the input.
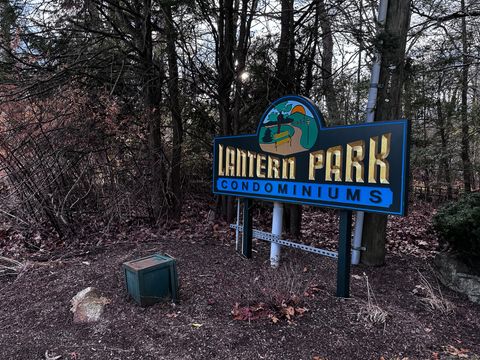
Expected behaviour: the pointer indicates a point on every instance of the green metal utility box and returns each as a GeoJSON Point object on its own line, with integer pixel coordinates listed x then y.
{"type": "Point", "coordinates": [152, 279]}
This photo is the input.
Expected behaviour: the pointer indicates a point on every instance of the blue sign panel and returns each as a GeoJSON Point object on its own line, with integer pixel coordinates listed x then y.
{"type": "Point", "coordinates": [295, 158]}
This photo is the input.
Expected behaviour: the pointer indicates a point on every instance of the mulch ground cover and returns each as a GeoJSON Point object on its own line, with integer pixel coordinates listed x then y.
{"type": "Point", "coordinates": [231, 307]}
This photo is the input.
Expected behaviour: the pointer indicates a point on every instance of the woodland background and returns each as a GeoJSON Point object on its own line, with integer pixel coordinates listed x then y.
{"type": "Point", "coordinates": [108, 108]}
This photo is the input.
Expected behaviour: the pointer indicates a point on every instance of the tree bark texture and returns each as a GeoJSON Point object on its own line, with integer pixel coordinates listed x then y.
{"type": "Point", "coordinates": [310, 61]}
{"type": "Point", "coordinates": [175, 181]}
{"type": "Point", "coordinates": [151, 99]}
{"type": "Point", "coordinates": [226, 73]}
{"type": "Point", "coordinates": [285, 84]}
{"type": "Point", "coordinates": [246, 17]}
{"type": "Point", "coordinates": [285, 52]}
{"type": "Point", "coordinates": [327, 65]}
{"type": "Point", "coordinates": [465, 144]}
{"type": "Point", "coordinates": [388, 108]}
{"type": "Point", "coordinates": [443, 124]}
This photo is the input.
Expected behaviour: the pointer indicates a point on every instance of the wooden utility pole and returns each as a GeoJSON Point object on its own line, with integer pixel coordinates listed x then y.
{"type": "Point", "coordinates": [393, 44]}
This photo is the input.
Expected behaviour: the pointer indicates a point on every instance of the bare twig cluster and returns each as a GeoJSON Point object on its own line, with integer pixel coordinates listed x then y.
{"type": "Point", "coordinates": [10, 266]}
{"type": "Point", "coordinates": [431, 297]}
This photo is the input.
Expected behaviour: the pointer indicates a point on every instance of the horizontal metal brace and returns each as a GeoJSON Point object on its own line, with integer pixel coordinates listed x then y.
{"type": "Point", "coordinates": [262, 235]}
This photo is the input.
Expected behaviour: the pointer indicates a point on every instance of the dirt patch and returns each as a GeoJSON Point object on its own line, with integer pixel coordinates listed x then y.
{"type": "Point", "coordinates": [214, 284]}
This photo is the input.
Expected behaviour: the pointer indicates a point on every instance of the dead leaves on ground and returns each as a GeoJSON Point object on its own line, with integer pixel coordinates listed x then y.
{"type": "Point", "coordinates": [411, 235]}
{"type": "Point", "coordinates": [449, 352]}
{"type": "Point", "coordinates": [312, 290]}
{"type": "Point", "coordinates": [460, 353]}
{"type": "Point", "coordinates": [248, 313]}
{"type": "Point", "coordinates": [261, 311]}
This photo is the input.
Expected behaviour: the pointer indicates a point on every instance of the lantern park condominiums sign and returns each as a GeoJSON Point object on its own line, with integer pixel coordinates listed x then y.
{"type": "Point", "coordinates": [295, 158]}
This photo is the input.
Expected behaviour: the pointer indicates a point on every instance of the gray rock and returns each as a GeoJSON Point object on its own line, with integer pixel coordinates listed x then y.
{"type": "Point", "coordinates": [457, 276]}
{"type": "Point", "coordinates": [88, 305]}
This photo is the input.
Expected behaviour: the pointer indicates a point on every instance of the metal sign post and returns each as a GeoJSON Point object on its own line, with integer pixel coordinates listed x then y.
{"type": "Point", "coordinates": [344, 247]}
{"type": "Point", "coordinates": [247, 228]}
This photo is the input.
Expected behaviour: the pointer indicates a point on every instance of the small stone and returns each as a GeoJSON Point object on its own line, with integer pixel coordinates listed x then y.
{"type": "Point", "coordinates": [88, 305]}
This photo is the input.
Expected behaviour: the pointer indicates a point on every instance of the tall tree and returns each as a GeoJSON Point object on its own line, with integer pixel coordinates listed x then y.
{"type": "Point", "coordinates": [285, 84]}
{"type": "Point", "coordinates": [151, 99]}
{"type": "Point", "coordinates": [465, 152]}
{"type": "Point", "coordinates": [241, 51]}
{"type": "Point", "coordinates": [175, 180]}
{"type": "Point", "coordinates": [225, 62]}
{"type": "Point", "coordinates": [285, 68]}
{"type": "Point", "coordinates": [327, 64]}
{"type": "Point", "coordinates": [389, 107]}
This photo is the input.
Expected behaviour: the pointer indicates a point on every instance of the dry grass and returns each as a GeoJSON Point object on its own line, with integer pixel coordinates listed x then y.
{"type": "Point", "coordinates": [432, 297]}
{"type": "Point", "coordinates": [370, 312]}
{"type": "Point", "coordinates": [284, 285]}
{"type": "Point", "coordinates": [10, 266]}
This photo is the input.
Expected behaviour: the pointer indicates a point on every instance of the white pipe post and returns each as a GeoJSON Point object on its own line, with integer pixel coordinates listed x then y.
{"type": "Point", "coordinates": [277, 225]}
{"type": "Point", "coordinates": [372, 101]}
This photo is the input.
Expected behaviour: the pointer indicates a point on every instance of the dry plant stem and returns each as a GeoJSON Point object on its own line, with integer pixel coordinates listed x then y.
{"type": "Point", "coordinates": [10, 266]}
{"type": "Point", "coordinates": [14, 217]}
{"type": "Point", "coordinates": [371, 312]}
{"type": "Point", "coordinates": [434, 299]}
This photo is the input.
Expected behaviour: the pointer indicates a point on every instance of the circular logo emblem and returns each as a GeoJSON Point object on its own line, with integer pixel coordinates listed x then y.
{"type": "Point", "coordinates": [288, 128]}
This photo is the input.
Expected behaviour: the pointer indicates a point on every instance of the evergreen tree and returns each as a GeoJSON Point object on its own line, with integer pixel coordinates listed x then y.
{"type": "Point", "coordinates": [267, 137]}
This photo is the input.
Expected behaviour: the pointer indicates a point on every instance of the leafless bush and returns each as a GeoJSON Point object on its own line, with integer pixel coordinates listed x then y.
{"type": "Point", "coordinates": [70, 157]}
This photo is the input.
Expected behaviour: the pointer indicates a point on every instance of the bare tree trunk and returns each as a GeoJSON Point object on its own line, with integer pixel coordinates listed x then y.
{"type": "Point", "coordinates": [149, 84]}
{"type": "Point", "coordinates": [285, 51]}
{"type": "Point", "coordinates": [465, 152]}
{"type": "Point", "coordinates": [327, 72]}
{"type": "Point", "coordinates": [445, 164]}
{"type": "Point", "coordinates": [442, 129]}
{"type": "Point", "coordinates": [175, 190]}
{"type": "Point", "coordinates": [246, 18]}
{"type": "Point", "coordinates": [226, 32]}
{"type": "Point", "coordinates": [388, 108]}
{"type": "Point", "coordinates": [285, 85]}
{"type": "Point", "coordinates": [310, 61]}
{"type": "Point", "coordinates": [359, 66]}
{"type": "Point", "coordinates": [7, 24]}
{"type": "Point", "coordinates": [226, 71]}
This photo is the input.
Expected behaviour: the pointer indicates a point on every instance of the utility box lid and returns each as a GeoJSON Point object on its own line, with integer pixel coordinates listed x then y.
{"type": "Point", "coordinates": [148, 262]}
{"type": "Point", "coordinates": [151, 279]}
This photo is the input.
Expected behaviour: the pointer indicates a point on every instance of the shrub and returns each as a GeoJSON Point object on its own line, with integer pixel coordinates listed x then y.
{"type": "Point", "coordinates": [459, 225]}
